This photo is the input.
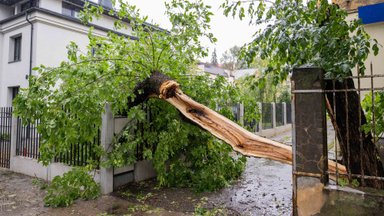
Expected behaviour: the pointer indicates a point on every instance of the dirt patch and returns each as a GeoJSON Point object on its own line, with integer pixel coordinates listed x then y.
{"type": "Point", "coordinates": [19, 196]}
{"type": "Point", "coordinates": [172, 199]}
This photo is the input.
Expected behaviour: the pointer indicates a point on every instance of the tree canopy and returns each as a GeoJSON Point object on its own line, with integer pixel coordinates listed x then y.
{"type": "Point", "coordinates": [293, 33]}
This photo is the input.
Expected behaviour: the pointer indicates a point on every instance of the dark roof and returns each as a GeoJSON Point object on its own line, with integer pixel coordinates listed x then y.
{"type": "Point", "coordinates": [9, 2]}
{"type": "Point", "coordinates": [63, 17]}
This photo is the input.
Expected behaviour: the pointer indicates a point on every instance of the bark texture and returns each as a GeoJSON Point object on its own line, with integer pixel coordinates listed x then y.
{"type": "Point", "coordinates": [240, 139]}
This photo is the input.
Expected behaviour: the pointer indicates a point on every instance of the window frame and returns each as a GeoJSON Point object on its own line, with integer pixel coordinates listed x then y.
{"type": "Point", "coordinates": [15, 48]}
{"type": "Point", "coordinates": [70, 9]}
{"type": "Point", "coordinates": [13, 91]}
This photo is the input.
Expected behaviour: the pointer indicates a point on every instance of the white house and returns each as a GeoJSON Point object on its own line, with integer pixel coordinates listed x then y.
{"type": "Point", "coordinates": [213, 71]}
{"type": "Point", "coordinates": [35, 32]}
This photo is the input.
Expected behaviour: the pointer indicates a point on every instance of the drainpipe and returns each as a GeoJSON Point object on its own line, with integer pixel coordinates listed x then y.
{"type": "Point", "coordinates": [31, 46]}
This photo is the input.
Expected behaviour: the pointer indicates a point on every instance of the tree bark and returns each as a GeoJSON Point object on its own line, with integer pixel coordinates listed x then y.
{"type": "Point", "coordinates": [345, 119]}
{"type": "Point", "coordinates": [240, 139]}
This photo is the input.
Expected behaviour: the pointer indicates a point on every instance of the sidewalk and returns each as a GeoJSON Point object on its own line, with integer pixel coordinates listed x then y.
{"type": "Point", "coordinates": [20, 197]}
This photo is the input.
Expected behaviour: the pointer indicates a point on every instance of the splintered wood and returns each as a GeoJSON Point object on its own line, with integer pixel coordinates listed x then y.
{"type": "Point", "coordinates": [240, 139]}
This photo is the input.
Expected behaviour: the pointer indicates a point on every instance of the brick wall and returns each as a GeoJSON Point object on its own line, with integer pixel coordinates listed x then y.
{"type": "Point", "coordinates": [352, 5]}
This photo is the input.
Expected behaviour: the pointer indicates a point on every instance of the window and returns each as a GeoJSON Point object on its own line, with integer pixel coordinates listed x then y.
{"type": "Point", "coordinates": [12, 92]}
{"type": "Point", "coordinates": [25, 6]}
{"type": "Point", "coordinates": [15, 49]}
{"type": "Point", "coordinates": [15, 91]}
{"type": "Point", "coordinates": [70, 10]}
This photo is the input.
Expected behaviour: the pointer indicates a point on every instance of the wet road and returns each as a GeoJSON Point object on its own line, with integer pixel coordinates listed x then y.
{"type": "Point", "coordinates": [264, 189]}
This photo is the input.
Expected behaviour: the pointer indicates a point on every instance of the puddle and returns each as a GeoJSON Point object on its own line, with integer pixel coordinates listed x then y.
{"type": "Point", "coordinates": [264, 189]}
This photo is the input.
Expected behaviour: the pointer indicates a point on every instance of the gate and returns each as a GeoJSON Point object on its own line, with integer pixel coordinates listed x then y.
{"type": "Point", "coordinates": [5, 136]}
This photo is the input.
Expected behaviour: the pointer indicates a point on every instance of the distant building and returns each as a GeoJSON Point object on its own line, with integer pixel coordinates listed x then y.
{"type": "Point", "coordinates": [36, 32]}
{"type": "Point", "coordinates": [215, 71]}
{"type": "Point", "coordinates": [244, 72]}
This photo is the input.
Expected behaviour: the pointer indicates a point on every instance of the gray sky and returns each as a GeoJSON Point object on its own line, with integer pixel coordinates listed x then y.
{"type": "Point", "coordinates": [228, 31]}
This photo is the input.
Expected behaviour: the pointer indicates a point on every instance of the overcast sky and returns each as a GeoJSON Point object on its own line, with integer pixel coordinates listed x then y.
{"type": "Point", "coordinates": [228, 31]}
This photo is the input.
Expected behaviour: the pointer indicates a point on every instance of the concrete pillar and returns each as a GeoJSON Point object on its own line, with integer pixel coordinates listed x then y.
{"type": "Point", "coordinates": [241, 113]}
{"type": "Point", "coordinates": [260, 107]}
{"type": "Point", "coordinates": [284, 113]}
{"type": "Point", "coordinates": [107, 133]}
{"type": "Point", "coordinates": [310, 141]}
{"type": "Point", "coordinates": [273, 115]}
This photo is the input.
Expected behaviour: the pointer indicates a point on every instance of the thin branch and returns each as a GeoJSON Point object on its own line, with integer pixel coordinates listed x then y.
{"type": "Point", "coordinates": [251, 1]}
{"type": "Point", "coordinates": [153, 48]}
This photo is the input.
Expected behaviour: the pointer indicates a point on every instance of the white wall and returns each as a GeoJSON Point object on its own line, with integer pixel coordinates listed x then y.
{"type": "Point", "coordinates": [51, 43]}
{"type": "Point", "coordinates": [54, 34]}
{"type": "Point", "coordinates": [375, 30]}
{"type": "Point", "coordinates": [108, 22]}
{"type": "Point", "coordinates": [32, 167]}
{"type": "Point", "coordinates": [13, 73]}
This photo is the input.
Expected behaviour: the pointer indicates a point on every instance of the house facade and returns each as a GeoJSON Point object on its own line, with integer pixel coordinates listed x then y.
{"type": "Point", "coordinates": [371, 13]}
{"type": "Point", "coordinates": [36, 32]}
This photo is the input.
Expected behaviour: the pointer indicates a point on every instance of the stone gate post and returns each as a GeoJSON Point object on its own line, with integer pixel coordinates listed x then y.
{"type": "Point", "coordinates": [107, 133]}
{"type": "Point", "coordinates": [309, 141]}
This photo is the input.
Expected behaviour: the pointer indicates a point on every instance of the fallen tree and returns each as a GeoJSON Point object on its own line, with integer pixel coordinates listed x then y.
{"type": "Point", "coordinates": [241, 140]}
{"type": "Point", "coordinates": [115, 69]}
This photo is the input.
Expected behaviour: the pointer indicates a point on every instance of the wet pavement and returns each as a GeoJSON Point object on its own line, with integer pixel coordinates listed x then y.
{"type": "Point", "coordinates": [264, 189]}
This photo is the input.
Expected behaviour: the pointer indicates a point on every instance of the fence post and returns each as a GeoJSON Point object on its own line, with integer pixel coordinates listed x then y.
{"type": "Point", "coordinates": [309, 141]}
{"type": "Point", "coordinates": [284, 113]}
{"type": "Point", "coordinates": [273, 114]}
{"type": "Point", "coordinates": [13, 142]}
{"type": "Point", "coordinates": [107, 133]}
{"type": "Point", "coordinates": [241, 113]}
{"type": "Point", "coordinates": [260, 106]}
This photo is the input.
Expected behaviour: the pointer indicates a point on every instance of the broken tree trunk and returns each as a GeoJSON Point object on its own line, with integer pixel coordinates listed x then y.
{"type": "Point", "coordinates": [241, 140]}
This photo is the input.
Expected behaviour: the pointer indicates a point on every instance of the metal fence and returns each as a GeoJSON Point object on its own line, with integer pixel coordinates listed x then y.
{"type": "Point", "coordinates": [80, 154]}
{"type": "Point", "coordinates": [355, 108]}
{"type": "Point", "coordinates": [28, 143]}
{"type": "Point", "coordinates": [252, 124]}
{"type": "Point", "coordinates": [27, 140]}
{"type": "Point", "coordinates": [5, 136]}
{"type": "Point", "coordinates": [272, 115]}
{"type": "Point", "coordinates": [289, 113]}
{"type": "Point", "coordinates": [267, 115]}
{"type": "Point", "coordinates": [279, 110]}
